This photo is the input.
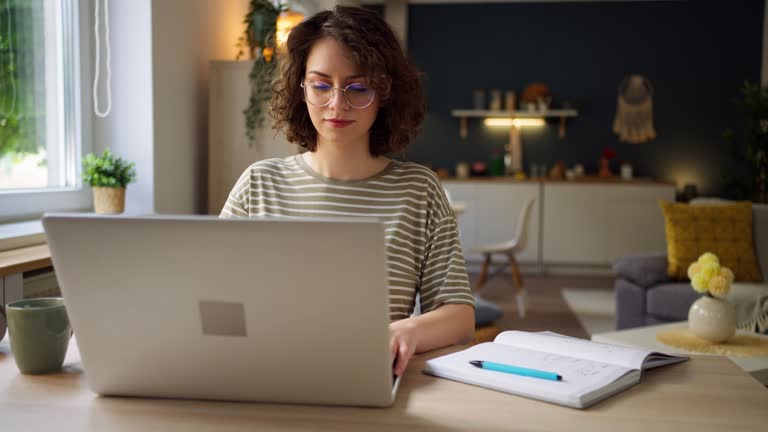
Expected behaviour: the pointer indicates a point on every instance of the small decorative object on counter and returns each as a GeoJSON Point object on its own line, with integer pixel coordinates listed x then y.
{"type": "Point", "coordinates": [495, 103]}
{"type": "Point", "coordinates": [542, 102]}
{"type": "Point", "coordinates": [442, 173]}
{"type": "Point", "coordinates": [479, 99]}
{"type": "Point", "coordinates": [570, 174]}
{"type": "Point", "coordinates": [535, 92]}
{"type": "Point", "coordinates": [479, 169]}
{"type": "Point", "coordinates": [558, 171]}
{"type": "Point", "coordinates": [578, 170]}
{"type": "Point", "coordinates": [496, 166]}
{"type": "Point", "coordinates": [711, 317]}
{"type": "Point", "coordinates": [509, 101]}
{"type": "Point", "coordinates": [626, 171]}
{"type": "Point", "coordinates": [528, 106]}
{"type": "Point", "coordinates": [508, 166]}
{"type": "Point", "coordinates": [462, 170]}
{"type": "Point", "coordinates": [605, 163]}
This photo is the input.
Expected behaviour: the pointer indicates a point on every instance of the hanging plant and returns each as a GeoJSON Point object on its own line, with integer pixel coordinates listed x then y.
{"type": "Point", "coordinates": [259, 39]}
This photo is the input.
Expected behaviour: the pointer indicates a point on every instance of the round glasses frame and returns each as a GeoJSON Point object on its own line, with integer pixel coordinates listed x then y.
{"type": "Point", "coordinates": [333, 94]}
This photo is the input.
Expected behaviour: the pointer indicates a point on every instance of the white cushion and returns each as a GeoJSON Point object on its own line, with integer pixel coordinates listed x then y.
{"type": "Point", "coordinates": [743, 292]}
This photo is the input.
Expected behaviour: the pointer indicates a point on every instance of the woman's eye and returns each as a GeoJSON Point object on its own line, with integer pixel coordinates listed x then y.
{"type": "Point", "coordinates": [320, 86]}
{"type": "Point", "coordinates": [357, 88]}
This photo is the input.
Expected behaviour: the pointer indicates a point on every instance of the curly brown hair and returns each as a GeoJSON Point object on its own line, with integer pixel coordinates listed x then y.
{"type": "Point", "coordinates": [377, 53]}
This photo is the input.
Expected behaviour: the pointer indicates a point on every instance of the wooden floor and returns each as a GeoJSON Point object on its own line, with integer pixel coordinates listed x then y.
{"type": "Point", "coordinates": [546, 308]}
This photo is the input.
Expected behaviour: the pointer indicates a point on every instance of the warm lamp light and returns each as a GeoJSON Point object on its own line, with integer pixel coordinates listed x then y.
{"type": "Point", "coordinates": [517, 122]}
{"type": "Point", "coordinates": [286, 21]}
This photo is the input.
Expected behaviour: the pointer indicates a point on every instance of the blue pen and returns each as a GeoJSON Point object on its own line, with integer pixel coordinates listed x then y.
{"type": "Point", "coordinates": [517, 370]}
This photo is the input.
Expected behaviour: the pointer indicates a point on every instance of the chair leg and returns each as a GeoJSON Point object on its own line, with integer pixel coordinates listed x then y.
{"type": "Point", "coordinates": [520, 293]}
{"type": "Point", "coordinates": [483, 273]}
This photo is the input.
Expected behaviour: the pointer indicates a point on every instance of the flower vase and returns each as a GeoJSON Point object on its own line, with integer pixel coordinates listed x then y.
{"type": "Point", "coordinates": [712, 319]}
{"type": "Point", "coordinates": [605, 168]}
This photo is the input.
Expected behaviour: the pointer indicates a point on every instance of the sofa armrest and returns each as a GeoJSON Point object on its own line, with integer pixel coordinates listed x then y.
{"type": "Point", "coordinates": [630, 304]}
{"type": "Point", "coordinates": [642, 270]}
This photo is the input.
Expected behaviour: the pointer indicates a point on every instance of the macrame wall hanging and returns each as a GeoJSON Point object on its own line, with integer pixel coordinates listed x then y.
{"type": "Point", "coordinates": [634, 110]}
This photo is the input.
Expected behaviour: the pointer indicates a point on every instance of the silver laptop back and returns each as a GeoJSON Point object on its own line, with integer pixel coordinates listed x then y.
{"type": "Point", "coordinates": [205, 308]}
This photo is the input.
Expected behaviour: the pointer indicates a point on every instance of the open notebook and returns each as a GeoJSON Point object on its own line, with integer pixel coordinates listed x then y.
{"type": "Point", "coordinates": [590, 371]}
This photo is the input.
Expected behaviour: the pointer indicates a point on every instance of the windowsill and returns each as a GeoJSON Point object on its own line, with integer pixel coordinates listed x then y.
{"type": "Point", "coordinates": [21, 234]}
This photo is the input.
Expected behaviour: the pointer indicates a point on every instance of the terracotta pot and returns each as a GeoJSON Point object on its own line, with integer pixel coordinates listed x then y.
{"type": "Point", "coordinates": [712, 319]}
{"type": "Point", "coordinates": [108, 200]}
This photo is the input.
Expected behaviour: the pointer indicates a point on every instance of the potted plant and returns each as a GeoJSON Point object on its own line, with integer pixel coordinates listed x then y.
{"type": "Point", "coordinates": [749, 179]}
{"type": "Point", "coordinates": [258, 40]}
{"type": "Point", "coordinates": [108, 176]}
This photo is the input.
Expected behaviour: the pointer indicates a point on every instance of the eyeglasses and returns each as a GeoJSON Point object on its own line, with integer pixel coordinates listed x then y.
{"type": "Point", "coordinates": [321, 94]}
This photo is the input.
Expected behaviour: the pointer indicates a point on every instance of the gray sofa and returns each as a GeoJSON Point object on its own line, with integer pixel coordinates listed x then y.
{"type": "Point", "coordinates": [645, 295]}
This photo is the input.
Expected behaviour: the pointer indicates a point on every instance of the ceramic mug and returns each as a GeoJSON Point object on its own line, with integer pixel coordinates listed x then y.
{"type": "Point", "coordinates": [39, 330]}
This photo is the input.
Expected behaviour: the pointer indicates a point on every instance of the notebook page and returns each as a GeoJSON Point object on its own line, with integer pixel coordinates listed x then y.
{"type": "Point", "coordinates": [627, 357]}
{"type": "Point", "coordinates": [580, 376]}
{"type": "Point", "coordinates": [652, 360]}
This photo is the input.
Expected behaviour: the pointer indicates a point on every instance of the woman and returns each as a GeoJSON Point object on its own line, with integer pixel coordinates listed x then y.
{"type": "Point", "coordinates": [347, 94]}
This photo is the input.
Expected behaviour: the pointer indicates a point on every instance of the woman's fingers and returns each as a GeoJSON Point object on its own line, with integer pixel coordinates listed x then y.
{"type": "Point", "coordinates": [403, 355]}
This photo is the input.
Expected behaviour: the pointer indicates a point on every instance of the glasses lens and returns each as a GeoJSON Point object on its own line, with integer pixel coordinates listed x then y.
{"type": "Point", "coordinates": [359, 95]}
{"type": "Point", "coordinates": [318, 92]}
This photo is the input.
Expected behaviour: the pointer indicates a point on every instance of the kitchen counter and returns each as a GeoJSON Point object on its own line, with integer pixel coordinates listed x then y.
{"type": "Point", "coordinates": [579, 180]}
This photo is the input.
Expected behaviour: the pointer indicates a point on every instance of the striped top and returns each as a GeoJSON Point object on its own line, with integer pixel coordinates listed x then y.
{"type": "Point", "coordinates": [423, 251]}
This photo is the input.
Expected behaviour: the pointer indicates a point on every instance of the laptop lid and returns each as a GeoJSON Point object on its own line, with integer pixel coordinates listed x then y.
{"type": "Point", "coordinates": [199, 307]}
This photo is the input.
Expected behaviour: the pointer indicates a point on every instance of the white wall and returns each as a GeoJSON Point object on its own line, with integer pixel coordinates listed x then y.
{"type": "Point", "coordinates": [128, 130]}
{"type": "Point", "coordinates": [186, 35]}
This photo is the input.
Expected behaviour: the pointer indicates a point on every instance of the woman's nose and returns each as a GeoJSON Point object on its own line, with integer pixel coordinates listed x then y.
{"type": "Point", "coordinates": [338, 101]}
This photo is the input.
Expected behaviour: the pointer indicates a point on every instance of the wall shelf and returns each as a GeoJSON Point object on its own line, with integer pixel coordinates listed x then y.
{"type": "Point", "coordinates": [464, 114]}
{"type": "Point", "coordinates": [515, 146]}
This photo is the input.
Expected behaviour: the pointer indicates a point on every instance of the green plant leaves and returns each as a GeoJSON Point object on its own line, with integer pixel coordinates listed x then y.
{"type": "Point", "coordinates": [260, 25]}
{"type": "Point", "coordinates": [107, 170]}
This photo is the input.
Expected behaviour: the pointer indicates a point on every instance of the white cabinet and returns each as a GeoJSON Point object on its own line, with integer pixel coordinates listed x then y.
{"type": "Point", "coordinates": [491, 215]}
{"type": "Point", "coordinates": [228, 151]}
{"type": "Point", "coordinates": [573, 224]}
{"type": "Point", "coordinates": [597, 223]}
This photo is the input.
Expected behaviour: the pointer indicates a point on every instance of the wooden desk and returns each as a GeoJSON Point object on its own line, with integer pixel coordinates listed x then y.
{"type": "Point", "coordinates": [704, 394]}
{"type": "Point", "coordinates": [13, 264]}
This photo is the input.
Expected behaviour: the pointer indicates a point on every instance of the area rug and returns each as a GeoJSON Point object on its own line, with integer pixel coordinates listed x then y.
{"type": "Point", "coordinates": [595, 309]}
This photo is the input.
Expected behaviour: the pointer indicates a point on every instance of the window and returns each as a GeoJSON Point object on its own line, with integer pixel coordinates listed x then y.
{"type": "Point", "coordinates": [40, 139]}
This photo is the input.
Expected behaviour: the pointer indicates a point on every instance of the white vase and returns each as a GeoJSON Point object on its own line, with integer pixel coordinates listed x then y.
{"type": "Point", "coordinates": [712, 319]}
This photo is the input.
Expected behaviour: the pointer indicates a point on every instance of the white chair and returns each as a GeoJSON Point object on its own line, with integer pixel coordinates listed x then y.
{"type": "Point", "coordinates": [509, 249]}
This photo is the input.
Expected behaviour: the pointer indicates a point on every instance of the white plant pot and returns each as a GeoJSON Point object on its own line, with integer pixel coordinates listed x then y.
{"type": "Point", "coordinates": [712, 319]}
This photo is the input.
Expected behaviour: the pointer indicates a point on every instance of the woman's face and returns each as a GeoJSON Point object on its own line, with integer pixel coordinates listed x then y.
{"type": "Point", "coordinates": [329, 64]}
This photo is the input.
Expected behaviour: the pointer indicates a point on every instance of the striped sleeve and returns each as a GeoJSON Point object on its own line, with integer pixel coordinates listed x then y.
{"type": "Point", "coordinates": [444, 274]}
{"type": "Point", "coordinates": [238, 199]}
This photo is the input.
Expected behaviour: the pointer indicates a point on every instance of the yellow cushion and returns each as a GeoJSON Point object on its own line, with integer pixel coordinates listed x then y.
{"type": "Point", "coordinates": [725, 230]}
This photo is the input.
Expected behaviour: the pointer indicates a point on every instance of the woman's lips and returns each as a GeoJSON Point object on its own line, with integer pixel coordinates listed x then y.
{"type": "Point", "coordinates": [339, 123]}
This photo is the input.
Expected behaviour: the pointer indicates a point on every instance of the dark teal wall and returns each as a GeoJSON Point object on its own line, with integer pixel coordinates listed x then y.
{"type": "Point", "coordinates": [696, 53]}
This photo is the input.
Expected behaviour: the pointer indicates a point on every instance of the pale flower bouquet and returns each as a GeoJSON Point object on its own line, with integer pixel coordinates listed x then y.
{"type": "Point", "coordinates": [709, 277]}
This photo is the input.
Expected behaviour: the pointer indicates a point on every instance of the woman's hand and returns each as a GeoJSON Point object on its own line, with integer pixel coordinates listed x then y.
{"type": "Point", "coordinates": [449, 324]}
{"type": "Point", "coordinates": [402, 343]}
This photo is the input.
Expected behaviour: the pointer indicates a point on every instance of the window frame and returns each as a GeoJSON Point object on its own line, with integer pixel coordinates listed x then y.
{"type": "Point", "coordinates": [25, 204]}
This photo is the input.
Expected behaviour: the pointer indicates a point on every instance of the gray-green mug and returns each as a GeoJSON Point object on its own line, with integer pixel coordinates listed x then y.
{"type": "Point", "coordinates": [39, 330]}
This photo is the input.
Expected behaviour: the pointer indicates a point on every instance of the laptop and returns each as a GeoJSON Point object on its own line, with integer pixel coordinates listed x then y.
{"type": "Point", "coordinates": [197, 307]}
